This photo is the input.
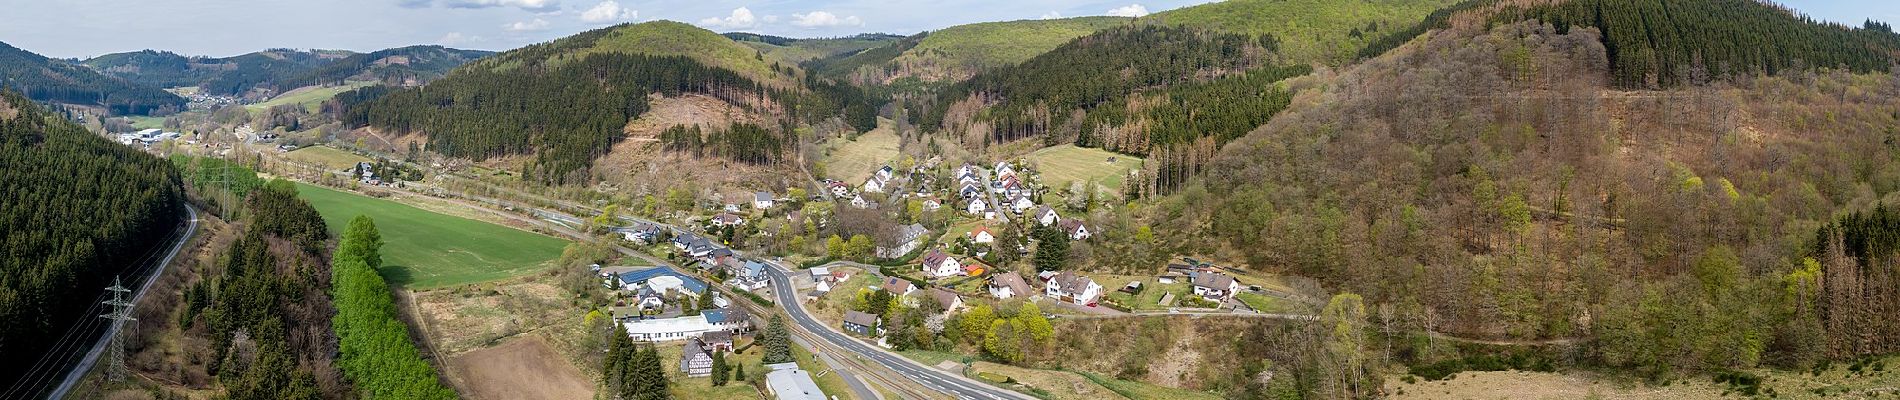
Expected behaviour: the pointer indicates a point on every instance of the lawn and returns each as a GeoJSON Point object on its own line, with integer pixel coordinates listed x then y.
{"type": "Point", "coordinates": [1060, 165]}
{"type": "Point", "coordinates": [146, 122]}
{"type": "Point", "coordinates": [425, 250]}
{"type": "Point", "coordinates": [701, 387]}
{"type": "Point", "coordinates": [310, 97]}
{"type": "Point", "coordinates": [1262, 303]}
{"type": "Point", "coordinates": [1151, 292]}
{"type": "Point", "coordinates": [854, 160]}
{"type": "Point", "coordinates": [326, 157]}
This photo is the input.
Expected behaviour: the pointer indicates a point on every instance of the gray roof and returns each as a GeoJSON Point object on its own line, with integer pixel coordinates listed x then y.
{"type": "Point", "coordinates": [943, 297]}
{"type": "Point", "coordinates": [935, 258]}
{"type": "Point", "coordinates": [716, 337]}
{"type": "Point", "coordinates": [859, 318]}
{"type": "Point", "coordinates": [1213, 280]}
{"type": "Point", "coordinates": [897, 286]}
{"type": "Point", "coordinates": [1071, 282]}
{"type": "Point", "coordinates": [761, 196]}
{"type": "Point", "coordinates": [1012, 281]}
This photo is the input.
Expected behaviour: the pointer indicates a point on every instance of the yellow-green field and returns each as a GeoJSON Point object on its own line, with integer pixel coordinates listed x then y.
{"type": "Point", "coordinates": [853, 161]}
{"type": "Point", "coordinates": [145, 122]}
{"type": "Point", "coordinates": [1063, 164]}
{"type": "Point", "coordinates": [310, 97]}
{"type": "Point", "coordinates": [424, 249]}
{"type": "Point", "coordinates": [326, 157]}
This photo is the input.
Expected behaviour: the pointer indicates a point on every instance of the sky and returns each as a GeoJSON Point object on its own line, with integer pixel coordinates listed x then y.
{"type": "Point", "coordinates": [87, 28]}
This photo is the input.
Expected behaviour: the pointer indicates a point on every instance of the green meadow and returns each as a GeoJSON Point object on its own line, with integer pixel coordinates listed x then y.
{"type": "Point", "coordinates": [425, 250]}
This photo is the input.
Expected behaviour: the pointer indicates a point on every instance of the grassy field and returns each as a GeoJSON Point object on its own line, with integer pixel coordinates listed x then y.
{"type": "Point", "coordinates": [830, 383]}
{"type": "Point", "coordinates": [310, 97]}
{"type": "Point", "coordinates": [1139, 390]}
{"type": "Point", "coordinates": [1150, 296]}
{"type": "Point", "coordinates": [996, 44]}
{"type": "Point", "coordinates": [326, 157]}
{"type": "Point", "coordinates": [1309, 30]}
{"type": "Point", "coordinates": [854, 160]}
{"type": "Point", "coordinates": [1060, 165]}
{"type": "Point", "coordinates": [668, 38]}
{"type": "Point", "coordinates": [429, 250]}
{"type": "Point", "coordinates": [146, 122]}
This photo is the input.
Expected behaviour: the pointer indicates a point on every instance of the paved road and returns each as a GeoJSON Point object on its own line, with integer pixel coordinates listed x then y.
{"type": "Point", "coordinates": [92, 356]}
{"type": "Point", "coordinates": [932, 378]}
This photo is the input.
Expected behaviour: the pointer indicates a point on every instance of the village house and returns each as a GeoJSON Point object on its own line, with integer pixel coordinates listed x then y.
{"type": "Point", "coordinates": [1074, 288]}
{"type": "Point", "coordinates": [931, 204]}
{"type": "Point", "coordinates": [727, 318]}
{"type": "Point", "coordinates": [976, 206]}
{"type": "Point", "coordinates": [1047, 216]}
{"type": "Point", "coordinates": [728, 219]}
{"type": "Point", "coordinates": [938, 264]}
{"type": "Point", "coordinates": [643, 233]}
{"type": "Point", "coordinates": [749, 275]}
{"type": "Point", "coordinates": [970, 191]}
{"type": "Point", "coordinates": [694, 362]}
{"type": "Point", "coordinates": [884, 173]}
{"type": "Point", "coordinates": [762, 200]}
{"type": "Point", "coordinates": [861, 323]}
{"type": "Point", "coordinates": [1008, 284]}
{"type": "Point", "coordinates": [982, 235]}
{"type": "Point", "coordinates": [716, 341]}
{"type": "Point", "coordinates": [898, 286]}
{"type": "Point", "coordinates": [1215, 287]}
{"type": "Point", "coordinates": [908, 237]}
{"type": "Point", "coordinates": [875, 184]}
{"type": "Point", "coordinates": [1004, 168]}
{"type": "Point", "coordinates": [839, 189]}
{"type": "Point", "coordinates": [1076, 229]}
{"type": "Point", "coordinates": [1018, 203]}
{"type": "Point", "coordinates": [950, 301]}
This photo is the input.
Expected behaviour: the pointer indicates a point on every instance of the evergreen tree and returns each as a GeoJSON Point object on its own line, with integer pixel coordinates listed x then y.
{"type": "Point", "coordinates": [719, 372]}
{"type": "Point", "coordinates": [778, 342]}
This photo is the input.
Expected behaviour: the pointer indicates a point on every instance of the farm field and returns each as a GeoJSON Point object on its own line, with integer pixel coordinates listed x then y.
{"type": "Point", "coordinates": [1060, 165]}
{"type": "Point", "coordinates": [428, 250]}
{"type": "Point", "coordinates": [326, 157]}
{"type": "Point", "coordinates": [523, 368]}
{"type": "Point", "coordinates": [146, 122]}
{"type": "Point", "coordinates": [310, 97]}
{"type": "Point", "coordinates": [853, 161]}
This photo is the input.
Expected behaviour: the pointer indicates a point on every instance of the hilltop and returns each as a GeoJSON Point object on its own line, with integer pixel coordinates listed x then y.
{"type": "Point", "coordinates": [56, 81]}
{"type": "Point", "coordinates": [268, 72]}
{"type": "Point", "coordinates": [402, 66]}
{"type": "Point", "coordinates": [958, 52]}
{"type": "Point", "coordinates": [1321, 31]}
{"type": "Point", "coordinates": [656, 38]}
{"type": "Point", "coordinates": [794, 51]}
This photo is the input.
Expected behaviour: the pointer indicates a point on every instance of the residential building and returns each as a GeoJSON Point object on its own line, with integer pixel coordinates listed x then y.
{"type": "Point", "coordinates": [884, 173]}
{"type": "Point", "coordinates": [982, 235]}
{"type": "Point", "coordinates": [1008, 284]}
{"type": "Point", "coordinates": [909, 237]}
{"type": "Point", "coordinates": [716, 341]}
{"type": "Point", "coordinates": [1076, 229]}
{"type": "Point", "coordinates": [1004, 168]}
{"type": "Point", "coordinates": [1074, 288]}
{"type": "Point", "coordinates": [861, 323]}
{"type": "Point", "coordinates": [728, 219]}
{"type": "Point", "coordinates": [1215, 286]}
{"type": "Point", "coordinates": [897, 286]}
{"type": "Point", "coordinates": [860, 202]}
{"type": "Point", "coordinates": [1047, 216]}
{"type": "Point", "coordinates": [976, 206]}
{"type": "Point", "coordinates": [694, 362]}
{"type": "Point", "coordinates": [1018, 203]}
{"type": "Point", "coordinates": [938, 264]}
{"type": "Point", "coordinates": [875, 184]}
{"type": "Point", "coordinates": [950, 301]}
{"type": "Point", "coordinates": [669, 329]}
{"type": "Point", "coordinates": [763, 200]}
{"type": "Point", "coordinates": [839, 189]}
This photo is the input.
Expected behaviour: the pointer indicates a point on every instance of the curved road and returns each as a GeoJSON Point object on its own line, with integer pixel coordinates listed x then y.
{"type": "Point", "coordinates": [92, 356]}
{"type": "Point", "coordinates": [932, 378]}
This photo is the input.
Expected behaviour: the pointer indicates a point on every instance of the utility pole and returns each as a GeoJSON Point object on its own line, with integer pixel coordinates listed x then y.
{"type": "Point", "coordinates": [121, 313]}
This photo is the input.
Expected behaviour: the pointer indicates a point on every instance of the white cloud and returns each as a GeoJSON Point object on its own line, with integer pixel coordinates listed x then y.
{"type": "Point", "coordinates": [542, 6]}
{"type": "Point", "coordinates": [526, 26]}
{"type": "Point", "coordinates": [453, 39]}
{"type": "Point", "coordinates": [608, 11]}
{"type": "Point", "coordinates": [821, 19]}
{"type": "Point", "coordinates": [1051, 15]}
{"type": "Point", "coordinates": [741, 18]}
{"type": "Point", "coordinates": [1131, 10]}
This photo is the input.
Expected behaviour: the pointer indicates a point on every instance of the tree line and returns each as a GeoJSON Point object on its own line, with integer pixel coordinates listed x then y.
{"type": "Point", "coordinates": [376, 351]}
{"type": "Point", "coordinates": [75, 211]}
{"type": "Point", "coordinates": [56, 81]}
{"type": "Point", "coordinates": [267, 316]}
{"type": "Point", "coordinates": [742, 142]}
{"type": "Point", "coordinates": [1658, 44]}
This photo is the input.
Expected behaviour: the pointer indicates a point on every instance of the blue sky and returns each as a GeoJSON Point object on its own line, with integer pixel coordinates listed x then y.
{"type": "Point", "coordinates": [84, 28]}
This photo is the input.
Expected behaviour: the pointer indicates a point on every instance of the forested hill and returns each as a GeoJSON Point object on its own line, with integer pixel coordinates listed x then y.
{"type": "Point", "coordinates": [75, 211]}
{"type": "Point", "coordinates": [56, 81]}
{"type": "Point", "coordinates": [1310, 31]}
{"type": "Point", "coordinates": [274, 70]}
{"type": "Point", "coordinates": [657, 38]}
{"type": "Point", "coordinates": [1654, 44]}
{"type": "Point", "coordinates": [793, 51]}
{"type": "Point", "coordinates": [567, 101]}
{"type": "Point", "coordinates": [280, 70]}
{"type": "Point", "coordinates": [413, 65]}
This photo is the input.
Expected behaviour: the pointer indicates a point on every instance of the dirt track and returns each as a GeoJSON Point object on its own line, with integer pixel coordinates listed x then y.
{"type": "Point", "coordinates": [522, 368]}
